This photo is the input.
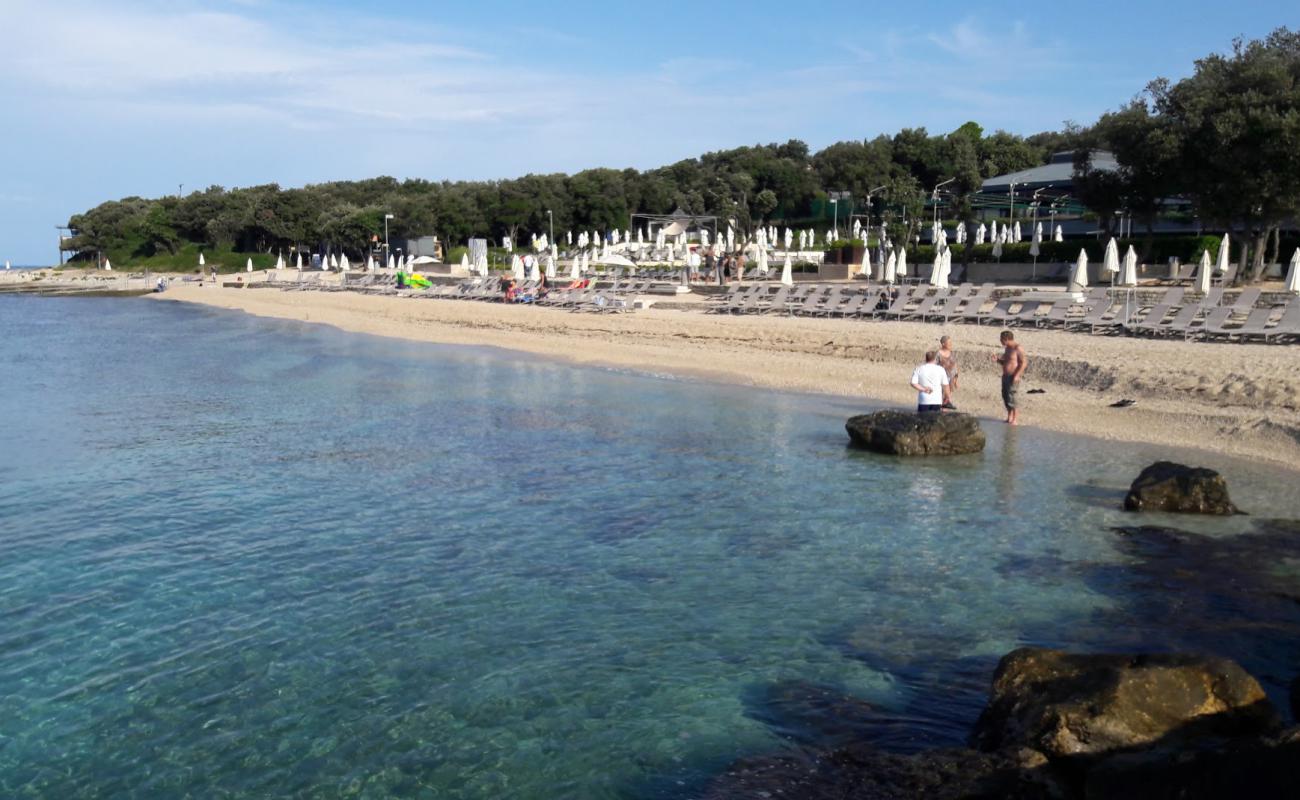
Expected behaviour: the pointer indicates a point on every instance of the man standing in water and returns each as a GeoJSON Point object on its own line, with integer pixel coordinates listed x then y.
{"type": "Point", "coordinates": [1013, 361]}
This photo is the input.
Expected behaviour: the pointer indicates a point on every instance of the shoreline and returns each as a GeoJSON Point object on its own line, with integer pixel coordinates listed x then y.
{"type": "Point", "coordinates": [1237, 400]}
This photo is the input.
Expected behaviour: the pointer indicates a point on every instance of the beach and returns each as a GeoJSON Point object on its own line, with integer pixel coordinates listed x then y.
{"type": "Point", "coordinates": [1232, 399]}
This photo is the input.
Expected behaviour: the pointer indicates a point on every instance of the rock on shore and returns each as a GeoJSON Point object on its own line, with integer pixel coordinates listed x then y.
{"type": "Point", "coordinates": [1166, 486]}
{"type": "Point", "coordinates": [1065, 704]}
{"type": "Point", "coordinates": [906, 433]}
{"type": "Point", "coordinates": [1061, 725]}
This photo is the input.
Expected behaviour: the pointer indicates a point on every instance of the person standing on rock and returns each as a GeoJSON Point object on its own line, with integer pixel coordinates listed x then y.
{"type": "Point", "coordinates": [948, 360]}
{"type": "Point", "coordinates": [931, 384]}
{"type": "Point", "coordinates": [1013, 361]}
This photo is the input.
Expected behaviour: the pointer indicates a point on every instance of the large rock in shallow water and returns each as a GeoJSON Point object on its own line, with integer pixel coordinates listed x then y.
{"type": "Point", "coordinates": [1063, 704]}
{"type": "Point", "coordinates": [905, 433]}
{"type": "Point", "coordinates": [1166, 486]}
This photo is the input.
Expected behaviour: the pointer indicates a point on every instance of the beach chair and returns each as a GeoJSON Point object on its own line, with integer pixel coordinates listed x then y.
{"type": "Point", "coordinates": [1027, 314]}
{"type": "Point", "coordinates": [1246, 299]}
{"type": "Point", "coordinates": [927, 303]}
{"type": "Point", "coordinates": [1102, 315]}
{"type": "Point", "coordinates": [1180, 323]}
{"type": "Point", "coordinates": [1214, 324]}
{"type": "Point", "coordinates": [905, 297]}
{"type": "Point", "coordinates": [830, 303]}
{"type": "Point", "coordinates": [956, 309]}
{"type": "Point", "coordinates": [811, 302]}
{"type": "Point", "coordinates": [1288, 325]}
{"type": "Point", "coordinates": [1256, 324]}
{"type": "Point", "coordinates": [857, 305]}
{"type": "Point", "coordinates": [777, 301]}
{"type": "Point", "coordinates": [1154, 316]}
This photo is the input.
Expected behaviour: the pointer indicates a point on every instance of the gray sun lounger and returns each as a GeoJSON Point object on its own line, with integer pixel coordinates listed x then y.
{"type": "Point", "coordinates": [1288, 326]}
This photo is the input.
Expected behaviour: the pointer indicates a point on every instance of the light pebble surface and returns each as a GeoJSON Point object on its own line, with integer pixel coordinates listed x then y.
{"type": "Point", "coordinates": [1235, 399]}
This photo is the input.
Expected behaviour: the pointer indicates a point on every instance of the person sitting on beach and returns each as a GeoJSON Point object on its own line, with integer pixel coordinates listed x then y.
{"type": "Point", "coordinates": [947, 359]}
{"type": "Point", "coordinates": [1013, 361]}
{"type": "Point", "coordinates": [931, 384]}
{"type": "Point", "coordinates": [882, 302]}
{"type": "Point", "coordinates": [508, 289]}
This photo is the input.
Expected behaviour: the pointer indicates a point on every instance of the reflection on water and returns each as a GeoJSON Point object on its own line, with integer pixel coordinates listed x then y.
{"type": "Point", "coordinates": [256, 557]}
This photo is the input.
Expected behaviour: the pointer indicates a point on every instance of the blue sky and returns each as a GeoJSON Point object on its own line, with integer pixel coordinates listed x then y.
{"type": "Point", "coordinates": [106, 99]}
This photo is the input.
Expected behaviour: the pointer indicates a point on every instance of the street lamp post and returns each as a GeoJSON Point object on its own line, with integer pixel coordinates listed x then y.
{"type": "Point", "coordinates": [387, 217]}
{"type": "Point", "coordinates": [550, 219]}
{"type": "Point", "coordinates": [835, 226]}
{"type": "Point", "coordinates": [934, 197]}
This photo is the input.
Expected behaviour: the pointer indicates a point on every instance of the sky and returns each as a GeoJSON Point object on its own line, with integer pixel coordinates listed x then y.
{"type": "Point", "coordinates": [107, 99]}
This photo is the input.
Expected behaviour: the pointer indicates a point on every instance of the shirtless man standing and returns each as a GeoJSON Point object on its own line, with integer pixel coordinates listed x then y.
{"type": "Point", "coordinates": [1013, 361]}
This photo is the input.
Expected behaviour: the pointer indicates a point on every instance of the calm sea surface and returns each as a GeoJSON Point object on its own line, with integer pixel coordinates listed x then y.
{"type": "Point", "coordinates": [251, 558]}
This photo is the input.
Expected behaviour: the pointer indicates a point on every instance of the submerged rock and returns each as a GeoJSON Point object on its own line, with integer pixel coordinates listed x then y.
{"type": "Point", "coordinates": [905, 433]}
{"type": "Point", "coordinates": [862, 771]}
{"type": "Point", "coordinates": [1068, 705]}
{"type": "Point", "coordinates": [1166, 486]}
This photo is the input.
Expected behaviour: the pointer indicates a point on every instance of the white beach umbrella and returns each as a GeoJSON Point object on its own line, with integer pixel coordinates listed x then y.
{"type": "Point", "coordinates": [573, 269]}
{"type": "Point", "coordinates": [344, 264]}
{"type": "Point", "coordinates": [568, 238]}
{"type": "Point", "coordinates": [1015, 236]}
{"type": "Point", "coordinates": [787, 276]}
{"type": "Point", "coordinates": [961, 233]}
{"type": "Point", "coordinates": [108, 265]}
{"type": "Point", "coordinates": [392, 262]}
{"type": "Point", "coordinates": [900, 268]}
{"type": "Point", "coordinates": [1128, 274]}
{"type": "Point", "coordinates": [586, 263]}
{"type": "Point", "coordinates": [300, 262]}
{"type": "Point", "coordinates": [248, 267]}
{"type": "Point", "coordinates": [1292, 284]}
{"type": "Point", "coordinates": [279, 262]}
{"type": "Point", "coordinates": [980, 233]}
{"type": "Point", "coordinates": [1033, 244]}
{"type": "Point", "coordinates": [789, 238]}
{"type": "Point", "coordinates": [517, 268]}
{"type": "Point", "coordinates": [1205, 274]}
{"type": "Point", "coordinates": [762, 261]}
{"type": "Point", "coordinates": [550, 267]}
{"type": "Point", "coordinates": [201, 262]}
{"type": "Point", "coordinates": [1079, 277]}
{"type": "Point", "coordinates": [936, 269]}
{"type": "Point", "coordinates": [1110, 261]}
{"type": "Point", "coordinates": [464, 260]}
{"type": "Point", "coordinates": [997, 245]}
{"type": "Point", "coordinates": [1225, 250]}
{"type": "Point", "coordinates": [993, 231]}
{"type": "Point", "coordinates": [1058, 235]}
{"type": "Point", "coordinates": [334, 261]}
{"type": "Point", "coordinates": [891, 268]}
{"type": "Point", "coordinates": [534, 269]}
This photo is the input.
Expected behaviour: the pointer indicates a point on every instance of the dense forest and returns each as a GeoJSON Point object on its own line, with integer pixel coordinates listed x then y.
{"type": "Point", "coordinates": [1225, 140]}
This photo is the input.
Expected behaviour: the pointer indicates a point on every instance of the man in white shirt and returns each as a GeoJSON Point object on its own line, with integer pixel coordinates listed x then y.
{"type": "Point", "coordinates": [931, 384]}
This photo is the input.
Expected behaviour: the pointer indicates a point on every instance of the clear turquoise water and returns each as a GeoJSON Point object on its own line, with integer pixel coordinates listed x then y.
{"type": "Point", "coordinates": [250, 558]}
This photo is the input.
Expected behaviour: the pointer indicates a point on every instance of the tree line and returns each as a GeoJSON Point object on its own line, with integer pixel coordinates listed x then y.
{"type": "Point", "coordinates": [1226, 140]}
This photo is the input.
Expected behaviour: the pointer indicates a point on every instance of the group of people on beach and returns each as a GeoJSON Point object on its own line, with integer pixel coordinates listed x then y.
{"type": "Point", "coordinates": [935, 381]}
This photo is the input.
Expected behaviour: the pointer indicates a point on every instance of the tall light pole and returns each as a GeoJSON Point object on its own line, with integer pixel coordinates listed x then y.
{"type": "Point", "coordinates": [835, 226]}
{"type": "Point", "coordinates": [387, 217]}
{"type": "Point", "coordinates": [550, 219]}
{"type": "Point", "coordinates": [935, 199]}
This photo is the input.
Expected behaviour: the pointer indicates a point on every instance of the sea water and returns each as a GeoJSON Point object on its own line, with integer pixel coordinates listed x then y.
{"type": "Point", "coordinates": [250, 558]}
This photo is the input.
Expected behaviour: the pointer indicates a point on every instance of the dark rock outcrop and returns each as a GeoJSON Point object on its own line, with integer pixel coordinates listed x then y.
{"type": "Point", "coordinates": [905, 433]}
{"type": "Point", "coordinates": [1068, 705]}
{"type": "Point", "coordinates": [1166, 486]}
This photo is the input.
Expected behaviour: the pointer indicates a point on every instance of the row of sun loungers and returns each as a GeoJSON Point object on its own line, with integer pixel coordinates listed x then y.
{"type": "Point", "coordinates": [1175, 313]}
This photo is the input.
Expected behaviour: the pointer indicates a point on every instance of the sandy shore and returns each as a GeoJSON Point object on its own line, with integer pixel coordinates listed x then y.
{"type": "Point", "coordinates": [1236, 399]}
